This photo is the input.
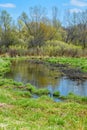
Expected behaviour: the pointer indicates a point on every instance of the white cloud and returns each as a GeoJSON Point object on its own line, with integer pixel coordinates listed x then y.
{"type": "Point", "coordinates": [80, 3]}
{"type": "Point", "coordinates": [8, 5]}
{"type": "Point", "coordinates": [75, 10]}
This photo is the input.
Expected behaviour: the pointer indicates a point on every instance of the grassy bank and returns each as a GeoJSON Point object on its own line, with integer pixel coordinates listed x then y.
{"type": "Point", "coordinates": [80, 63]}
{"type": "Point", "coordinates": [18, 111]}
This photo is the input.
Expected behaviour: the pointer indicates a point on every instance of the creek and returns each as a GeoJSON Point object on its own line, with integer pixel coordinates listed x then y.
{"type": "Point", "coordinates": [44, 76]}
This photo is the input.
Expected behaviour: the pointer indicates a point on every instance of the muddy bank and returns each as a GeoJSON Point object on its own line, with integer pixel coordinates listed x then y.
{"type": "Point", "coordinates": [65, 69]}
{"type": "Point", "coordinates": [74, 73]}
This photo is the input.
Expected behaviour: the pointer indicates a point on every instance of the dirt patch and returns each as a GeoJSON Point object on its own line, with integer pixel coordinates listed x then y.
{"type": "Point", "coordinates": [3, 105]}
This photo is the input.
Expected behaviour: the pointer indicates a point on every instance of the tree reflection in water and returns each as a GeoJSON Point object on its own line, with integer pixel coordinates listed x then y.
{"type": "Point", "coordinates": [43, 76]}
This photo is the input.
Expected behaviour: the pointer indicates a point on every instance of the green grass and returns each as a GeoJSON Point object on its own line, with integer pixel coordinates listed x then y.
{"type": "Point", "coordinates": [76, 98]}
{"type": "Point", "coordinates": [18, 111]}
{"type": "Point", "coordinates": [42, 92]}
{"type": "Point", "coordinates": [4, 66]}
{"type": "Point", "coordinates": [56, 94]}
{"type": "Point", "coordinates": [80, 63]}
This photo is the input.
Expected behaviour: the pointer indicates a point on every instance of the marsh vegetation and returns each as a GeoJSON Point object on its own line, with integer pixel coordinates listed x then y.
{"type": "Point", "coordinates": [43, 71]}
{"type": "Point", "coordinates": [19, 110]}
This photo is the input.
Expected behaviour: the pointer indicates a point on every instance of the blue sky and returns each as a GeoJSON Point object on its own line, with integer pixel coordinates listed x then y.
{"type": "Point", "coordinates": [16, 7]}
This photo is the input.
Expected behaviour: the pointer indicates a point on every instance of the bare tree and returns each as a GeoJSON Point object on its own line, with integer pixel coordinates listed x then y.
{"type": "Point", "coordinates": [33, 22]}
{"type": "Point", "coordinates": [77, 28]}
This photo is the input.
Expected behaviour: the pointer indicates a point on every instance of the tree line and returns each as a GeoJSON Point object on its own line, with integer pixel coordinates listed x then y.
{"type": "Point", "coordinates": [35, 28]}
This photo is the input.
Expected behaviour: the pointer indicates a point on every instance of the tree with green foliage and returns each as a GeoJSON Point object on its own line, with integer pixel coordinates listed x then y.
{"type": "Point", "coordinates": [5, 25]}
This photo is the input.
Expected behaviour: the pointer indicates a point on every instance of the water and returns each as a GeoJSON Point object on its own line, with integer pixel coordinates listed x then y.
{"type": "Point", "coordinates": [43, 76]}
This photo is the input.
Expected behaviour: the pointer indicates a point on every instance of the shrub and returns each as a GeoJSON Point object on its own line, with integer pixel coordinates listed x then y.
{"type": "Point", "coordinates": [59, 48]}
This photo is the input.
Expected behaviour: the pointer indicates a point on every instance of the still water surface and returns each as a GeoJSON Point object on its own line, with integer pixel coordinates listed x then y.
{"type": "Point", "coordinates": [43, 76]}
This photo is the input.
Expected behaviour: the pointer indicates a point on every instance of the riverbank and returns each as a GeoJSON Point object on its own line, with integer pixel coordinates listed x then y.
{"type": "Point", "coordinates": [74, 68]}
{"type": "Point", "coordinates": [19, 111]}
